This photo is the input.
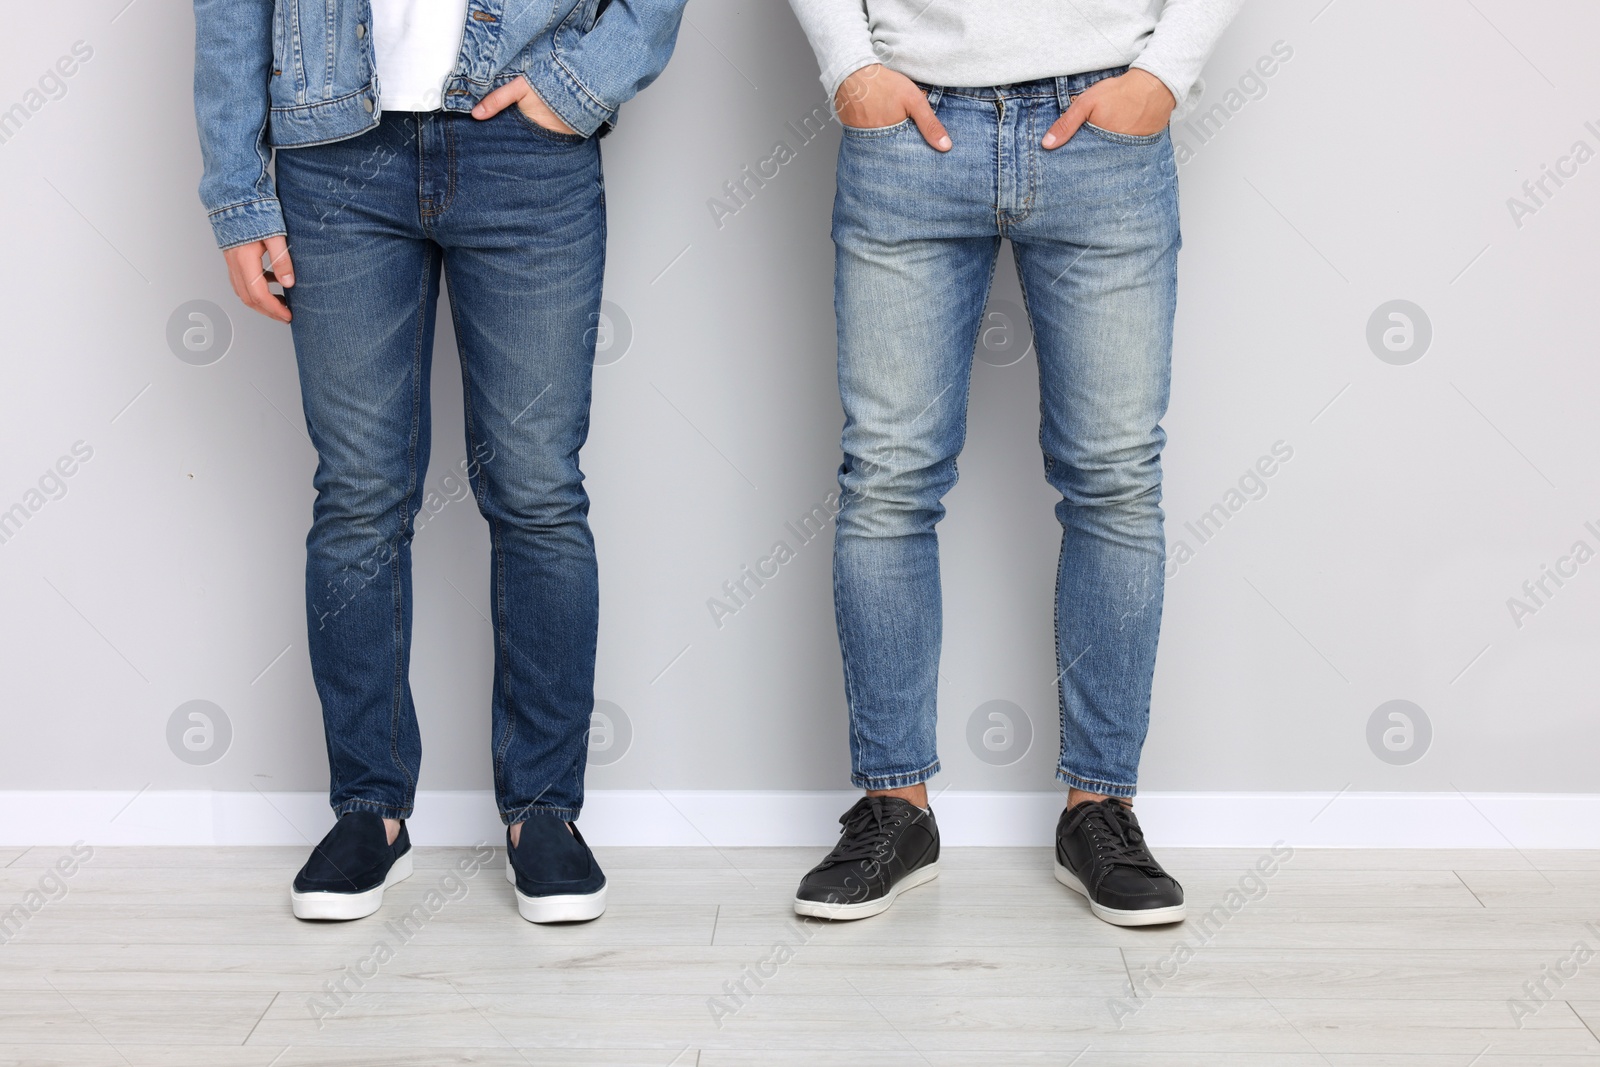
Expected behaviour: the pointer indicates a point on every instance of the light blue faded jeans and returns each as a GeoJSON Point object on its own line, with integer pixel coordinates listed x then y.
{"type": "Point", "coordinates": [1094, 228]}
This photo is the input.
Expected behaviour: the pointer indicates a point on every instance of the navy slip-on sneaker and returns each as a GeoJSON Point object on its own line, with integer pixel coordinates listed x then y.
{"type": "Point", "coordinates": [556, 876]}
{"type": "Point", "coordinates": [350, 868]}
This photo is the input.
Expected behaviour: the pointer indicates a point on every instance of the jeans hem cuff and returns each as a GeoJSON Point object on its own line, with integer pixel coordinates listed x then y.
{"type": "Point", "coordinates": [1092, 785]}
{"type": "Point", "coordinates": [511, 815]}
{"type": "Point", "coordinates": [895, 781]}
{"type": "Point", "coordinates": [387, 811]}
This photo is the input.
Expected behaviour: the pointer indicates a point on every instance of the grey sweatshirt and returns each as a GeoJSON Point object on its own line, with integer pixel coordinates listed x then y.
{"type": "Point", "coordinates": [997, 42]}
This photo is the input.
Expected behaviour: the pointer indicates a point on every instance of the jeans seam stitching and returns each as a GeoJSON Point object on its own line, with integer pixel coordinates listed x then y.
{"type": "Point", "coordinates": [878, 781]}
{"type": "Point", "coordinates": [1095, 785]}
{"type": "Point", "coordinates": [1049, 465]}
{"type": "Point", "coordinates": [396, 582]}
{"type": "Point", "coordinates": [502, 641]}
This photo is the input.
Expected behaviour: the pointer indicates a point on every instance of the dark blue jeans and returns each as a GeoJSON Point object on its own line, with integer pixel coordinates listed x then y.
{"type": "Point", "coordinates": [514, 215]}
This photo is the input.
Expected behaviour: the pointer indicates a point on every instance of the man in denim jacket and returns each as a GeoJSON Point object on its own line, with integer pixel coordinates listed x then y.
{"type": "Point", "coordinates": [420, 135]}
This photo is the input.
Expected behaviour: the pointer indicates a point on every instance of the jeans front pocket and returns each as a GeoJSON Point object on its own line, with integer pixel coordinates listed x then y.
{"type": "Point", "coordinates": [1127, 138]}
{"type": "Point", "coordinates": [878, 131]}
{"type": "Point", "coordinates": [553, 135]}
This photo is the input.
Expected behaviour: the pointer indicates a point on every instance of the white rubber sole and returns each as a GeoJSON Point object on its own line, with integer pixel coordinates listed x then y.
{"type": "Point", "coordinates": [867, 908]}
{"type": "Point", "coordinates": [1120, 916]}
{"type": "Point", "coordinates": [567, 908]}
{"type": "Point", "coordinates": [349, 905]}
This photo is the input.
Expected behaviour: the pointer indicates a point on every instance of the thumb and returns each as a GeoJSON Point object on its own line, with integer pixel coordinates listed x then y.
{"type": "Point", "coordinates": [278, 260]}
{"type": "Point", "coordinates": [1061, 131]}
{"type": "Point", "coordinates": [500, 99]}
{"type": "Point", "coordinates": [928, 123]}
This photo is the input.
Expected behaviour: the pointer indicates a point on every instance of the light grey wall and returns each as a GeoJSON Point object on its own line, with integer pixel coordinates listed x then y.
{"type": "Point", "coordinates": [1377, 166]}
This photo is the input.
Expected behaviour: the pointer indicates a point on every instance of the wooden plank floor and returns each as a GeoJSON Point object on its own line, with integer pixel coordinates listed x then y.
{"type": "Point", "coordinates": [180, 957]}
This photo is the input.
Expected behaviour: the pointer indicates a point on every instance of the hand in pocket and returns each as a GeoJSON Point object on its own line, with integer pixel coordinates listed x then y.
{"type": "Point", "coordinates": [875, 96]}
{"type": "Point", "coordinates": [1135, 103]}
{"type": "Point", "coordinates": [529, 102]}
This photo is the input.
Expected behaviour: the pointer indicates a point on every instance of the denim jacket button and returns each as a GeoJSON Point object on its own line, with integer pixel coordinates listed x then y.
{"type": "Point", "coordinates": [366, 102]}
{"type": "Point", "coordinates": [361, 30]}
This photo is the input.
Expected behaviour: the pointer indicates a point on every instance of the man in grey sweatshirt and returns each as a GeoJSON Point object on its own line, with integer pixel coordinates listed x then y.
{"type": "Point", "coordinates": [1045, 123]}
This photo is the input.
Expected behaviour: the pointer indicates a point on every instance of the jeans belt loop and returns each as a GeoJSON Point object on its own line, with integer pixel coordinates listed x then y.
{"type": "Point", "coordinates": [1063, 92]}
{"type": "Point", "coordinates": [935, 94]}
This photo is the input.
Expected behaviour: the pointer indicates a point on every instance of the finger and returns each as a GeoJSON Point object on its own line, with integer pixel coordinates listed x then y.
{"type": "Point", "coordinates": [1061, 131]}
{"type": "Point", "coordinates": [500, 99]}
{"type": "Point", "coordinates": [277, 308]}
{"type": "Point", "coordinates": [265, 303]}
{"type": "Point", "coordinates": [272, 306]}
{"type": "Point", "coordinates": [278, 263]}
{"type": "Point", "coordinates": [264, 300]}
{"type": "Point", "coordinates": [240, 273]}
{"type": "Point", "coordinates": [933, 130]}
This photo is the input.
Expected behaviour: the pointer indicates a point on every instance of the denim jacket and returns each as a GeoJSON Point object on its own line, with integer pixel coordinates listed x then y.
{"type": "Point", "coordinates": [291, 73]}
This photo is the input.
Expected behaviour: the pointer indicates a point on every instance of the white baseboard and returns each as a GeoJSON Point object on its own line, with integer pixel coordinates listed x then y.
{"type": "Point", "coordinates": [731, 819]}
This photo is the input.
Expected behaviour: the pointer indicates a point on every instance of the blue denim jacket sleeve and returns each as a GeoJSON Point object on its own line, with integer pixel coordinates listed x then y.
{"type": "Point", "coordinates": [232, 71]}
{"type": "Point", "coordinates": [588, 76]}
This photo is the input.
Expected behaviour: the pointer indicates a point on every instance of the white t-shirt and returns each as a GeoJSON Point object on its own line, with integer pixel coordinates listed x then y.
{"type": "Point", "coordinates": [416, 43]}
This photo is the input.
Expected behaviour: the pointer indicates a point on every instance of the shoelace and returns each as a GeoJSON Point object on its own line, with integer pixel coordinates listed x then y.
{"type": "Point", "coordinates": [868, 826]}
{"type": "Point", "coordinates": [1117, 839]}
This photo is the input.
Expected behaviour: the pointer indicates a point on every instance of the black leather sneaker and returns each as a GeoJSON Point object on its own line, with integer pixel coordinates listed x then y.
{"type": "Point", "coordinates": [350, 868]}
{"type": "Point", "coordinates": [888, 846]}
{"type": "Point", "coordinates": [556, 876]}
{"type": "Point", "coordinates": [1100, 852]}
